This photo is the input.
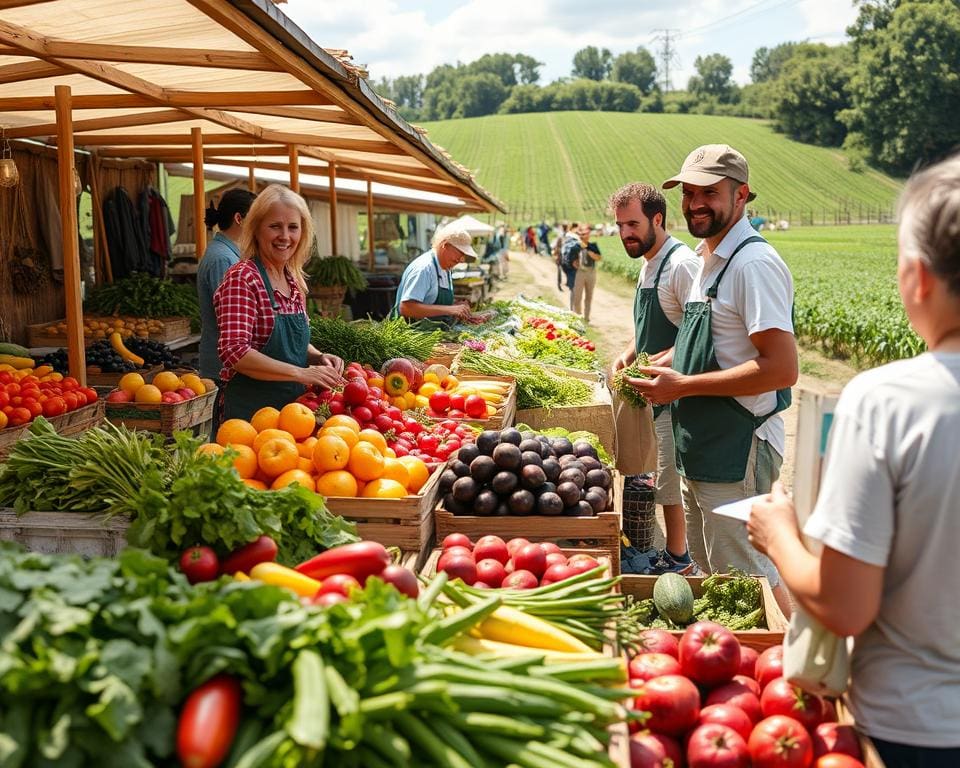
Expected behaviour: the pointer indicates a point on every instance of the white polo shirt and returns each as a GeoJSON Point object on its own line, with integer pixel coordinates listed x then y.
{"type": "Point", "coordinates": [755, 294]}
{"type": "Point", "coordinates": [677, 279]}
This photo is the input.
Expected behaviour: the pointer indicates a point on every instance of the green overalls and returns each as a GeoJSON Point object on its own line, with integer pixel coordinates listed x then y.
{"type": "Point", "coordinates": [444, 299]}
{"type": "Point", "coordinates": [654, 331]}
{"type": "Point", "coordinates": [713, 434]}
{"type": "Point", "coordinates": [243, 396]}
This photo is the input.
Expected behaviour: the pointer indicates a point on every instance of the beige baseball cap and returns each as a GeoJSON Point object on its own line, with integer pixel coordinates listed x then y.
{"type": "Point", "coordinates": [459, 238]}
{"type": "Point", "coordinates": [711, 163]}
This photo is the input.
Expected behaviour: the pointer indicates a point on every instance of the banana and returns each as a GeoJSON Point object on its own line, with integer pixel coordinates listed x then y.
{"type": "Point", "coordinates": [116, 341]}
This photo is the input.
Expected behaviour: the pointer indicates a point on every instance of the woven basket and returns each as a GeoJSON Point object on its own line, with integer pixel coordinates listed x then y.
{"type": "Point", "coordinates": [329, 299]}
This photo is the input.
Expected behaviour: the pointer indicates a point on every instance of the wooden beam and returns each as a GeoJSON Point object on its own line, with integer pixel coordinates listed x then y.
{"type": "Point", "coordinates": [199, 204]}
{"type": "Point", "coordinates": [8, 4]}
{"type": "Point", "coordinates": [333, 209]}
{"type": "Point", "coordinates": [294, 169]}
{"type": "Point", "coordinates": [371, 249]}
{"type": "Point", "coordinates": [223, 99]}
{"type": "Point", "coordinates": [252, 179]}
{"type": "Point", "coordinates": [103, 123]}
{"type": "Point", "coordinates": [29, 70]}
{"type": "Point", "coordinates": [76, 353]}
{"type": "Point", "coordinates": [184, 154]}
{"type": "Point", "coordinates": [318, 115]}
{"type": "Point", "coordinates": [141, 54]}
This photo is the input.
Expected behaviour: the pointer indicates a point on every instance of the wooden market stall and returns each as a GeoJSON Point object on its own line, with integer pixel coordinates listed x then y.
{"type": "Point", "coordinates": [226, 82]}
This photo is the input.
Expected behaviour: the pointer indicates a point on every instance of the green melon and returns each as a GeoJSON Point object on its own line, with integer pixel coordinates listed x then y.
{"type": "Point", "coordinates": [673, 598]}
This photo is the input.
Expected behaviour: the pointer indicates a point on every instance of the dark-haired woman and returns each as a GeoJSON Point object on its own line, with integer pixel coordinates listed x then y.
{"type": "Point", "coordinates": [221, 254]}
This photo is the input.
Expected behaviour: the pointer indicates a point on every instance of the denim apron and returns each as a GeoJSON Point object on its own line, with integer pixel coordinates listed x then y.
{"type": "Point", "coordinates": [713, 434]}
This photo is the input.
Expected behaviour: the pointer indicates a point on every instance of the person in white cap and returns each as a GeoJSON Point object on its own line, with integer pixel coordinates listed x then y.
{"type": "Point", "coordinates": [426, 286]}
{"type": "Point", "coordinates": [734, 361]}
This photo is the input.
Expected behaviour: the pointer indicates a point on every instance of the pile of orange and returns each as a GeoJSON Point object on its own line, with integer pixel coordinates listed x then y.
{"type": "Point", "coordinates": [278, 447]}
{"type": "Point", "coordinates": [165, 381]}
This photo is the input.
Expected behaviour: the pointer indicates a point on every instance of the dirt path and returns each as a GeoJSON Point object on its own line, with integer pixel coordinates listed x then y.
{"type": "Point", "coordinates": [611, 329]}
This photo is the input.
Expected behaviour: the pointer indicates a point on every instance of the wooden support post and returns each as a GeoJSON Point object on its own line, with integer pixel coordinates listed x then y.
{"type": "Point", "coordinates": [333, 209]}
{"type": "Point", "coordinates": [294, 170]}
{"type": "Point", "coordinates": [252, 179]}
{"type": "Point", "coordinates": [199, 202]}
{"type": "Point", "coordinates": [76, 354]}
{"type": "Point", "coordinates": [370, 241]}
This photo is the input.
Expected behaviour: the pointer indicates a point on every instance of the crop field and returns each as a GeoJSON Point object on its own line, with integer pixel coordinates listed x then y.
{"type": "Point", "coordinates": [564, 165]}
{"type": "Point", "coordinates": [846, 288]}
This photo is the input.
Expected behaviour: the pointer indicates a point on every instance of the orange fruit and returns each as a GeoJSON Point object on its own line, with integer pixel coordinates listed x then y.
{"type": "Point", "coordinates": [148, 393]}
{"type": "Point", "coordinates": [342, 420]}
{"type": "Point", "coordinates": [361, 484]}
{"type": "Point", "coordinates": [277, 456]}
{"type": "Point", "coordinates": [245, 462]}
{"type": "Point", "coordinates": [167, 381]}
{"type": "Point", "coordinates": [194, 382]}
{"type": "Point", "coordinates": [394, 470]}
{"type": "Point", "coordinates": [330, 452]}
{"type": "Point", "coordinates": [366, 462]}
{"type": "Point", "coordinates": [383, 488]}
{"type": "Point", "coordinates": [337, 482]}
{"type": "Point", "coordinates": [292, 476]}
{"type": "Point", "coordinates": [306, 465]}
{"type": "Point", "coordinates": [211, 449]}
{"type": "Point", "coordinates": [346, 434]}
{"type": "Point", "coordinates": [375, 438]}
{"type": "Point", "coordinates": [417, 470]}
{"type": "Point", "coordinates": [236, 431]}
{"type": "Point", "coordinates": [4, 420]}
{"type": "Point", "coordinates": [305, 447]}
{"type": "Point", "coordinates": [131, 382]}
{"type": "Point", "coordinates": [298, 420]}
{"type": "Point", "coordinates": [265, 418]}
{"type": "Point", "coordinates": [270, 434]}
{"type": "Point", "coordinates": [256, 484]}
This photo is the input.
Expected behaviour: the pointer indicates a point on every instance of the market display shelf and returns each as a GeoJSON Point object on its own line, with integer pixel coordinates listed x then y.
{"type": "Point", "coordinates": [165, 418]}
{"type": "Point", "coordinates": [45, 335]}
{"type": "Point", "coordinates": [65, 532]}
{"type": "Point", "coordinates": [601, 532]}
{"type": "Point", "coordinates": [70, 423]}
{"type": "Point", "coordinates": [406, 523]}
{"type": "Point", "coordinates": [596, 416]}
{"type": "Point", "coordinates": [641, 587]}
{"type": "Point", "coordinates": [98, 378]}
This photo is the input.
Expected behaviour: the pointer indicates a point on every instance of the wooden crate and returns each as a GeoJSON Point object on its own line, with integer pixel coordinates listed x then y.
{"type": "Point", "coordinates": [98, 378]}
{"type": "Point", "coordinates": [871, 758]}
{"type": "Point", "coordinates": [165, 418]}
{"type": "Point", "coordinates": [406, 523]}
{"type": "Point", "coordinates": [71, 423]}
{"type": "Point", "coordinates": [444, 353]}
{"type": "Point", "coordinates": [65, 532]}
{"type": "Point", "coordinates": [44, 334]}
{"type": "Point", "coordinates": [506, 411]}
{"type": "Point", "coordinates": [596, 417]}
{"type": "Point", "coordinates": [173, 328]}
{"type": "Point", "coordinates": [600, 532]}
{"type": "Point", "coordinates": [641, 587]}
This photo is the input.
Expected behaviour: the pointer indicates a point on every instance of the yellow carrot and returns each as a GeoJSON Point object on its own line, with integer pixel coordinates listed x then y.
{"type": "Point", "coordinates": [508, 625]}
{"type": "Point", "coordinates": [281, 576]}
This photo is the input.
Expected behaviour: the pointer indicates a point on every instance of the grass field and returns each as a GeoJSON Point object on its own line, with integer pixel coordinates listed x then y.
{"type": "Point", "coordinates": [846, 297]}
{"type": "Point", "coordinates": [564, 165]}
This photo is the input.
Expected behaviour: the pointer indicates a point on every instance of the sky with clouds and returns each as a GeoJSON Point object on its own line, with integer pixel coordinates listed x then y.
{"type": "Point", "coordinates": [393, 38]}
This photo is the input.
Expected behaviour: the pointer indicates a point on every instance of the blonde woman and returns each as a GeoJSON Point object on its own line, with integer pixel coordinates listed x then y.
{"type": "Point", "coordinates": [261, 311]}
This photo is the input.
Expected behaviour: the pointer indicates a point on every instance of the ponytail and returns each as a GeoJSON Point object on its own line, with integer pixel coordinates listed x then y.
{"type": "Point", "coordinates": [234, 201]}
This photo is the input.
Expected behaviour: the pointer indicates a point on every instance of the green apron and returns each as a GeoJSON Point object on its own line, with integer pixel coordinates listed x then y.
{"type": "Point", "coordinates": [713, 435]}
{"type": "Point", "coordinates": [654, 331]}
{"type": "Point", "coordinates": [444, 299]}
{"type": "Point", "coordinates": [243, 396]}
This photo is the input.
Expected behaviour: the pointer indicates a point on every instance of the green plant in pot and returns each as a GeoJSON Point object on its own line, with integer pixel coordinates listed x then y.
{"type": "Point", "coordinates": [334, 271]}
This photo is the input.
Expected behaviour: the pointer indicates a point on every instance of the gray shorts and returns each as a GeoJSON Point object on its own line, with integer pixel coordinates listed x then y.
{"type": "Point", "coordinates": [668, 481]}
{"type": "Point", "coordinates": [723, 540]}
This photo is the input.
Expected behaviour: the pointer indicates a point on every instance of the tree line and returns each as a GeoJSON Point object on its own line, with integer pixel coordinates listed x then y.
{"type": "Point", "coordinates": [889, 96]}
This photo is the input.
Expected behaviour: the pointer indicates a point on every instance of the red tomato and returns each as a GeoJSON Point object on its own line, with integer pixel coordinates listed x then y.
{"type": "Point", "coordinates": [457, 402]}
{"type": "Point", "coordinates": [491, 572]}
{"type": "Point", "coordinates": [402, 578]}
{"type": "Point", "coordinates": [91, 394]}
{"type": "Point", "coordinates": [769, 665]}
{"type": "Point", "coordinates": [81, 398]}
{"type": "Point", "coordinates": [716, 746]}
{"type": "Point", "coordinates": [659, 641]}
{"type": "Point", "coordinates": [782, 698]}
{"type": "Point", "coordinates": [673, 702]}
{"type": "Point", "coordinates": [492, 547]}
{"type": "Point", "coordinates": [838, 760]}
{"type": "Point", "coordinates": [440, 401]}
{"type": "Point", "coordinates": [739, 695]}
{"type": "Point", "coordinates": [54, 406]}
{"type": "Point", "coordinates": [33, 405]}
{"type": "Point", "coordinates": [556, 572]}
{"type": "Point", "coordinates": [13, 388]}
{"type": "Point", "coordinates": [457, 540]}
{"type": "Point", "coordinates": [520, 579]}
{"type": "Point", "coordinates": [339, 584]}
{"type": "Point", "coordinates": [4, 398]}
{"type": "Point", "coordinates": [709, 653]}
{"type": "Point", "coordinates": [728, 715]}
{"type": "Point", "coordinates": [69, 383]}
{"type": "Point", "coordinates": [475, 407]}
{"type": "Point", "coordinates": [647, 666]}
{"type": "Point", "coordinates": [531, 558]}
{"type": "Point", "coordinates": [71, 399]}
{"type": "Point", "coordinates": [514, 545]}
{"type": "Point", "coordinates": [19, 416]}
{"type": "Point", "coordinates": [5, 377]}
{"type": "Point", "coordinates": [328, 599]}
{"type": "Point", "coordinates": [833, 737]}
{"type": "Point", "coordinates": [209, 722]}
{"type": "Point", "coordinates": [33, 392]}
{"type": "Point", "coordinates": [653, 750]}
{"type": "Point", "coordinates": [199, 564]}
{"type": "Point", "coordinates": [748, 661]}
{"type": "Point", "coordinates": [460, 566]}
{"type": "Point", "coordinates": [780, 742]}
{"type": "Point", "coordinates": [752, 684]}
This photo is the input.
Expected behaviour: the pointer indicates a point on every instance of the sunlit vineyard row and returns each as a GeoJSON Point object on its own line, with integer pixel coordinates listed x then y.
{"type": "Point", "coordinates": [846, 298]}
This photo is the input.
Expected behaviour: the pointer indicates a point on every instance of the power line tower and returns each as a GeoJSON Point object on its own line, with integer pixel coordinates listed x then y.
{"type": "Point", "coordinates": [667, 55]}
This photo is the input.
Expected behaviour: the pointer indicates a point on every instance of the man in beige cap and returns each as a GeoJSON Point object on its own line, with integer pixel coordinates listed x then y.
{"type": "Point", "coordinates": [426, 286]}
{"type": "Point", "coordinates": [734, 361]}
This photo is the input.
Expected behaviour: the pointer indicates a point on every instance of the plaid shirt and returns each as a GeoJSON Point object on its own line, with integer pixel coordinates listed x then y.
{"type": "Point", "coordinates": [245, 315]}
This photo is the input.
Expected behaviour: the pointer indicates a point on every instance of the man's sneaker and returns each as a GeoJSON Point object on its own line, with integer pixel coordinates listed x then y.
{"type": "Point", "coordinates": [663, 562]}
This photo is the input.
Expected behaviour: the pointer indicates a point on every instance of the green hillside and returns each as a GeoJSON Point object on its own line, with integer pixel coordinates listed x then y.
{"type": "Point", "coordinates": [564, 165]}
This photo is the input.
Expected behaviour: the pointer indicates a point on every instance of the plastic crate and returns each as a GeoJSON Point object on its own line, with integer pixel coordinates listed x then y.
{"type": "Point", "coordinates": [639, 511]}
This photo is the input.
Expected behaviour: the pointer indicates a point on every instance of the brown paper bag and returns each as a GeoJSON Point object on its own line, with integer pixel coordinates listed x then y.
{"type": "Point", "coordinates": [636, 440]}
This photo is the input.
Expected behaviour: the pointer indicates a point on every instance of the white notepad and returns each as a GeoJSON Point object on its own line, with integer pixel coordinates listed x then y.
{"type": "Point", "coordinates": [739, 510]}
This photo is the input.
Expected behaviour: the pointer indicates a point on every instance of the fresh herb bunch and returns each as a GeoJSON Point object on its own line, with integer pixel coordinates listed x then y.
{"type": "Point", "coordinates": [372, 342]}
{"type": "Point", "coordinates": [534, 345]}
{"type": "Point", "coordinates": [334, 270]}
{"type": "Point", "coordinates": [141, 295]}
{"type": "Point", "coordinates": [622, 388]}
{"type": "Point", "coordinates": [536, 387]}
